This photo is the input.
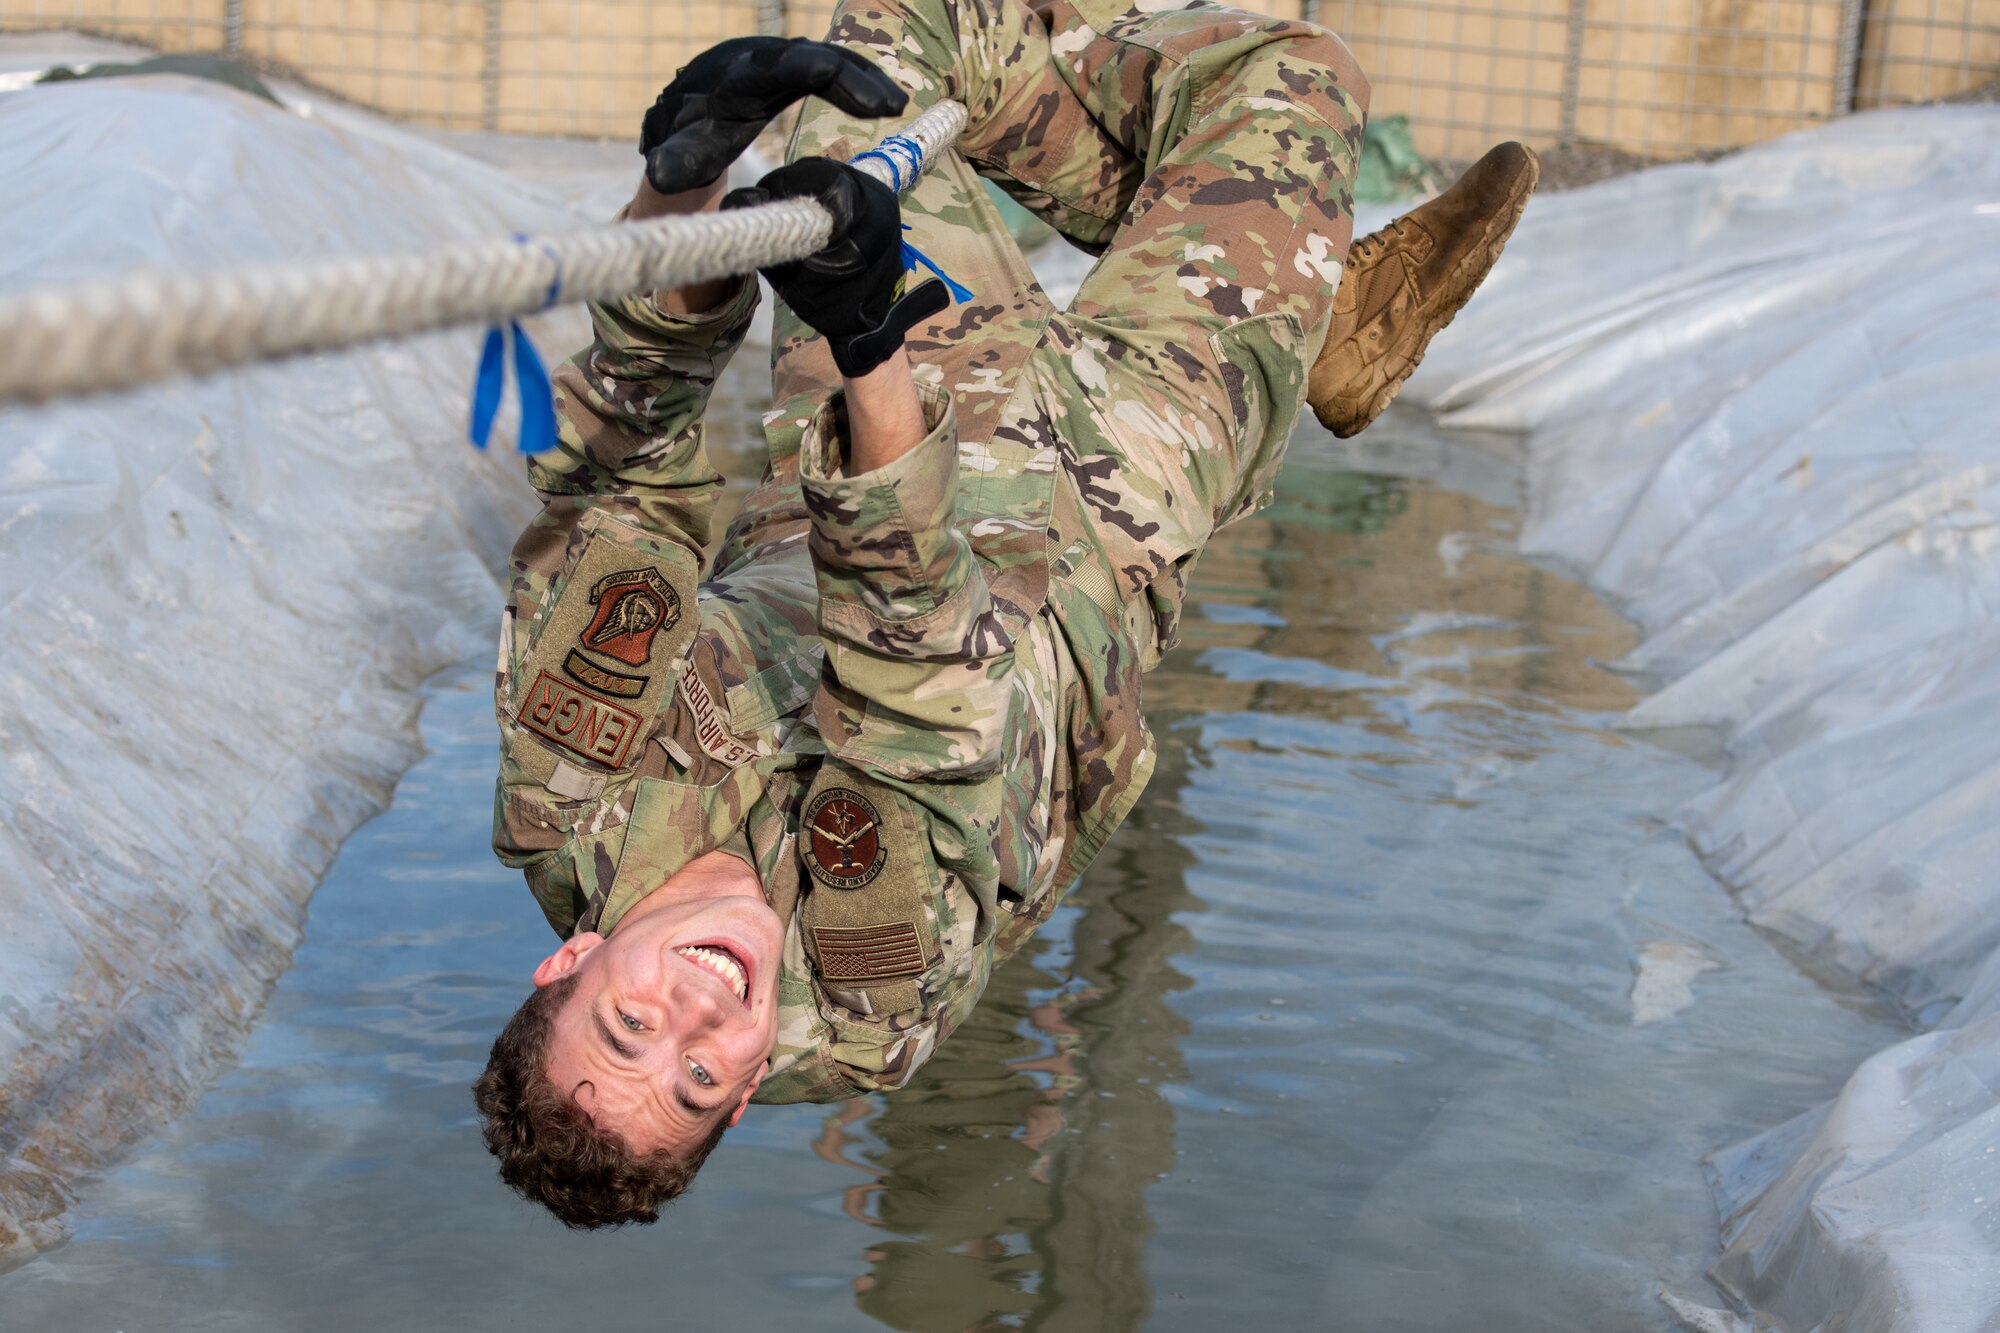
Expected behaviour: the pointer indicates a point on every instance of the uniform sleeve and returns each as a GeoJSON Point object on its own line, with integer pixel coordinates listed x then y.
{"type": "Point", "coordinates": [629, 408]}
{"type": "Point", "coordinates": [918, 655]}
{"type": "Point", "coordinates": [920, 707]}
{"type": "Point", "coordinates": [628, 492]}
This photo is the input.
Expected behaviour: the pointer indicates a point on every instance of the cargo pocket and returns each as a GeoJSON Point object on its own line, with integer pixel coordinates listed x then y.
{"type": "Point", "coordinates": [1005, 493]}
{"type": "Point", "coordinates": [779, 690]}
{"type": "Point", "coordinates": [671, 824]}
{"type": "Point", "coordinates": [558, 890]}
{"type": "Point", "coordinates": [532, 832]}
{"type": "Point", "coordinates": [1261, 362]}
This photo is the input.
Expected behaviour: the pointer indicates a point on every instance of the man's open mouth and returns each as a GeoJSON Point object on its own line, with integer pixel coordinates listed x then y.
{"type": "Point", "coordinates": [724, 963]}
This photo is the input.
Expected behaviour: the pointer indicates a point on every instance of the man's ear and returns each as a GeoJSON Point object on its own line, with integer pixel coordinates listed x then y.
{"type": "Point", "coordinates": [564, 960]}
{"type": "Point", "coordinates": [749, 1091]}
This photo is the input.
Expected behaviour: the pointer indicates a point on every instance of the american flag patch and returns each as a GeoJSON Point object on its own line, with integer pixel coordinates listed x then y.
{"type": "Point", "coordinates": [868, 953]}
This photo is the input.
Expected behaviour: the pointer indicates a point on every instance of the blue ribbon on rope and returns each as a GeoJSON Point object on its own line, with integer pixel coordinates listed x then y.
{"type": "Point", "coordinates": [531, 380]}
{"type": "Point", "coordinates": [531, 376]}
{"type": "Point", "coordinates": [912, 257]}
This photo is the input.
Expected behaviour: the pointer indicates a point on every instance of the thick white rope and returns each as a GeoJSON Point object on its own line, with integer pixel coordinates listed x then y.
{"type": "Point", "coordinates": [148, 325]}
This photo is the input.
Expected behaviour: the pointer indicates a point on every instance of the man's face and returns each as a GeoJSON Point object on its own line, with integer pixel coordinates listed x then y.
{"type": "Point", "coordinates": [673, 1017]}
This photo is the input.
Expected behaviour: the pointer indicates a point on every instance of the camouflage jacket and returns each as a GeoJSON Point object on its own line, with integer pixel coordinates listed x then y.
{"type": "Point", "coordinates": [913, 693]}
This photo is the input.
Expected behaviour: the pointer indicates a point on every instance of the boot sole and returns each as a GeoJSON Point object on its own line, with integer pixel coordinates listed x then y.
{"type": "Point", "coordinates": [1455, 291]}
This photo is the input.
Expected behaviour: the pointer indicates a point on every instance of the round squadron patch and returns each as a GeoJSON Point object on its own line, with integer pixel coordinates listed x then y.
{"type": "Point", "coordinates": [843, 839]}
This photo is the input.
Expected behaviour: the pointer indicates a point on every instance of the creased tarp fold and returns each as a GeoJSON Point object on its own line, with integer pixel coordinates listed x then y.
{"type": "Point", "coordinates": [1762, 399]}
{"type": "Point", "coordinates": [220, 597]}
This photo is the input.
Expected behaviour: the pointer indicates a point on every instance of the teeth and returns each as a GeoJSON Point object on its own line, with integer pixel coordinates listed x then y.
{"type": "Point", "coordinates": [720, 963]}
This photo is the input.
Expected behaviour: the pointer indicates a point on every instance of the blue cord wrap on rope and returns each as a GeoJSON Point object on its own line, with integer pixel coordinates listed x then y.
{"type": "Point", "coordinates": [899, 152]}
{"type": "Point", "coordinates": [531, 379]}
{"type": "Point", "coordinates": [897, 143]}
{"type": "Point", "coordinates": [531, 376]}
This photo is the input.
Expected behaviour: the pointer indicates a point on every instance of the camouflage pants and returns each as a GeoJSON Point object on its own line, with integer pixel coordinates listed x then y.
{"type": "Point", "coordinates": [1206, 156]}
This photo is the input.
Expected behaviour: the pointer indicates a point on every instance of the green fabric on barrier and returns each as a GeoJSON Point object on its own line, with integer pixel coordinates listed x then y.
{"type": "Point", "coordinates": [219, 69]}
{"type": "Point", "coordinates": [1391, 168]}
{"type": "Point", "coordinates": [1028, 230]}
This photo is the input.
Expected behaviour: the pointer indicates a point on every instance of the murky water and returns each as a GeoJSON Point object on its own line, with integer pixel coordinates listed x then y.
{"type": "Point", "coordinates": [1396, 1006]}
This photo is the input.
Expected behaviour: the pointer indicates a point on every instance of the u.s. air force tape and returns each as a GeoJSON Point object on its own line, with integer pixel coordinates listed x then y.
{"type": "Point", "coordinates": [709, 732]}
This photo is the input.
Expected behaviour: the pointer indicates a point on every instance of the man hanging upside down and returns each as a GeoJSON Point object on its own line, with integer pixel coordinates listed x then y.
{"type": "Point", "coordinates": [788, 811]}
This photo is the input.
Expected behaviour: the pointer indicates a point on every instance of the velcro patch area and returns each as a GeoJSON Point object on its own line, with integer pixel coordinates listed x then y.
{"type": "Point", "coordinates": [869, 953]}
{"type": "Point", "coordinates": [605, 654]}
{"type": "Point", "coordinates": [873, 892]}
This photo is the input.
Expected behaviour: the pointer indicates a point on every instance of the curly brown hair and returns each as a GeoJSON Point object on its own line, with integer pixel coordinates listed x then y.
{"type": "Point", "coordinates": [548, 1149]}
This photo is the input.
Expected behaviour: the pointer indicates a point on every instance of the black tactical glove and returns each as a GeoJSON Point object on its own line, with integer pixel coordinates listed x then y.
{"type": "Point", "coordinates": [725, 97]}
{"type": "Point", "coordinates": [848, 291]}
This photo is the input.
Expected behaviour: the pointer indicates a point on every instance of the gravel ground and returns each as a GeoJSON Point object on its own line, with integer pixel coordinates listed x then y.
{"type": "Point", "coordinates": [1985, 92]}
{"type": "Point", "coordinates": [1572, 166]}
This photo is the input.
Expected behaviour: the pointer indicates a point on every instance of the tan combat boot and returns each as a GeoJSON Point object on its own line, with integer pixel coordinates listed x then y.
{"type": "Point", "coordinates": [1405, 282]}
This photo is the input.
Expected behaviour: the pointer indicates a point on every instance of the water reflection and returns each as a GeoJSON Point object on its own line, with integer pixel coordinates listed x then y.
{"type": "Point", "coordinates": [1013, 1174]}
{"type": "Point", "coordinates": [1356, 583]}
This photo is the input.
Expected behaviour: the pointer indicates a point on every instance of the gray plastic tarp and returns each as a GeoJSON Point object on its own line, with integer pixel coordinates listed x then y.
{"type": "Point", "coordinates": [220, 595]}
{"type": "Point", "coordinates": [1762, 399]}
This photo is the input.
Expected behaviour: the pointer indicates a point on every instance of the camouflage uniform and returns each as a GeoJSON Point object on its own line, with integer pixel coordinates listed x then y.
{"type": "Point", "coordinates": [911, 697]}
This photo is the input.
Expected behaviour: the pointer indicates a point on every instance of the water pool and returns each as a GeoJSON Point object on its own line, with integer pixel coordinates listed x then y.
{"type": "Point", "coordinates": [1399, 1004]}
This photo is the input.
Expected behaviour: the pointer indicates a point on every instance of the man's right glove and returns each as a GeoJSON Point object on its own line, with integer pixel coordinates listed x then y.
{"type": "Point", "coordinates": [849, 291]}
{"type": "Point", "coordinates": [724, 97]}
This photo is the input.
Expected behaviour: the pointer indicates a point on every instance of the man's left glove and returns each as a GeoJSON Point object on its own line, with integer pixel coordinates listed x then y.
{"type": "Point", "coordinates": [848, 291]}
{"type": "Point", "coordinates": [724, 97]}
